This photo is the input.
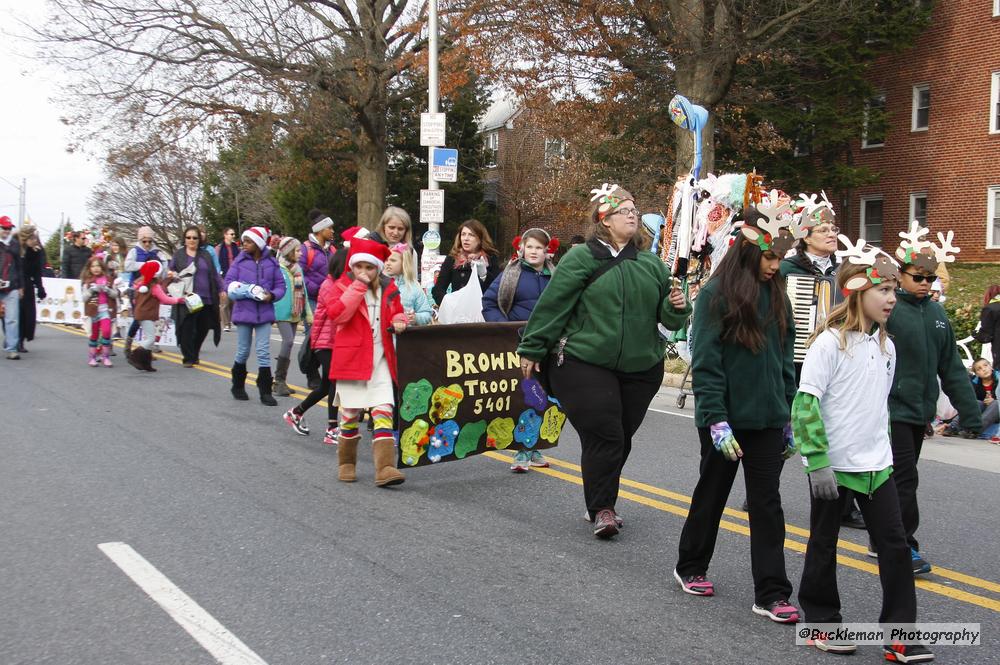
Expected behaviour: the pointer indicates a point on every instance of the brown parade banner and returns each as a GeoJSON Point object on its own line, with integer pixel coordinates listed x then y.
{"type": "Point", "coordinates": [462, 393]}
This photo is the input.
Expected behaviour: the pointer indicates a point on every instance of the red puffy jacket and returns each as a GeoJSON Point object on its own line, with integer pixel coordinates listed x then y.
{"type": "Point", "coordinates": [323, 328]}
{"type": "Point", "coordinates": [353, 346]}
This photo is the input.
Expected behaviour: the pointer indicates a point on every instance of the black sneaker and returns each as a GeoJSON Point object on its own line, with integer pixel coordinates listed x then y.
{"type": "Point", "coordinates": [605, 525]}
{"type": "Point", "coordinates": [920, 565]}
{"type": "Point", "coordinates": [907, 653]}
{"type": "Point", "coordinates": [296, 422]}
{"type": "Point", "coordinates": [854, 521]}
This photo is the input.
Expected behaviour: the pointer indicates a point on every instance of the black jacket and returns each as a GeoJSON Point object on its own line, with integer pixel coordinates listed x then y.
{"type": "Point", "coordinates": [10, 264]}
{"type": "Point", "coordinates": [75, 260]}
{"type": "Point", "coordinates": [989, 329]}
{"type": "Point", "coordinates": [31, 269]}
{"type": "Point", "coordinates": [456, 278]}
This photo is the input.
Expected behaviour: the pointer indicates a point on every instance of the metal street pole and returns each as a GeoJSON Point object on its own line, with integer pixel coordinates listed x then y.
{"type": "Point", "coordinates": [432, 93]}
{"type": "Point", "coordinates": [21, 203]}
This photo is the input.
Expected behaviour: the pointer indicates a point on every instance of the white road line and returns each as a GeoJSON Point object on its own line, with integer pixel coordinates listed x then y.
{"type": "Point", "coordinates": [209, 633]}
{"type": "Point", "coordinates": [672, 413]}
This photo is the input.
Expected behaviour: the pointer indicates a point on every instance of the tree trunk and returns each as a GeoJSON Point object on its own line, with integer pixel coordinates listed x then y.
{"type": "Point", "coordinates": [372, 166]}
{"type": "Point", "coordinates": [685, 148]}
{"type": "Point", "coordinates": [696, 81]}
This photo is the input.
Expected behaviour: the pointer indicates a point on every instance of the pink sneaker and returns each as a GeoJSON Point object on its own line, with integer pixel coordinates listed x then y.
{"type": "Point", "coordinates": [780, 611]}
{"type": "Point", "coordinates": [331, 437]}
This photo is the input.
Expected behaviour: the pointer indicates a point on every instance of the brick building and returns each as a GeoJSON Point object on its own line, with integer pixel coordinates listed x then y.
{"type": "Point", "coordinates": [938, 155]}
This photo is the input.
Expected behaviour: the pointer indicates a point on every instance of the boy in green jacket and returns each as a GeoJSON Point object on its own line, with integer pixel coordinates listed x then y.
{"type": "Point", "coordinates": [925, 346]}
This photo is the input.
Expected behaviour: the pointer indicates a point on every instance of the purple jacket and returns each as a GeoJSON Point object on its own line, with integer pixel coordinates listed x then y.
{"type": "Point", "coordinates": [265, 273]}
{"type": "Point", "coordinates": [314, 271]}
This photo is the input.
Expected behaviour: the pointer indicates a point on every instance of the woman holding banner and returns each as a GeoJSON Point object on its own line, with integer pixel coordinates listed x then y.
{"type": "Point", "coordinates": [593, 336]}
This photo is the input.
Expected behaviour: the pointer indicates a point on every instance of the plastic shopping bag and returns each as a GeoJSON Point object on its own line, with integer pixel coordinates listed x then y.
{"type": "Point", "coordinates": [464, 305]}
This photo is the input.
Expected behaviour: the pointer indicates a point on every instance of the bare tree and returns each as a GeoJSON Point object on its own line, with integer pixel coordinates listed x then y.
{"type": "Point", "coordinates": [162, 191]}
{"type": "Point", "coordinates": [183, 64]}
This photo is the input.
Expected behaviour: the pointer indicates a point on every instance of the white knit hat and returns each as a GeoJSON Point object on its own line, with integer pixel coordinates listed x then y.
{"type": "Point", "coordinates": [322, 223]}
{"type": "Point", "coordinates": [259, 236]}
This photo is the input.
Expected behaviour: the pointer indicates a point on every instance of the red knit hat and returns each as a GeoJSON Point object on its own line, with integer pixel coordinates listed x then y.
{"type": "Point", "coordinates": [259, 235]}
{"type": "Point", "coordinates": [363, 249]}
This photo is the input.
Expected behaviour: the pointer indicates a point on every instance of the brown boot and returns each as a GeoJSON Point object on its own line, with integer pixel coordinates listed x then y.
{"type": "Point", "coordinates": [384, 456]}
{"type": "Point", "coordinates": [347, 459]}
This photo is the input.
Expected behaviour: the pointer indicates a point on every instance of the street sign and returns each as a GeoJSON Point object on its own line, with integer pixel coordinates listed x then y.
{"type": "Point", "coordinates": [444, 166]}
{"type": "Point", "coordinates": [431, 239]}
{"type": "Point", "coordinates": [432, 129]}
{"type": "Point", "coordinates": [432, 206]}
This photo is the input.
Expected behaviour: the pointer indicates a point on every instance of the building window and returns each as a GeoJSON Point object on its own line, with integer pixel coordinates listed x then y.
{"type": "Point", "coordinates": [996, 7]}
{"type": "Point", "coordinates": [871, 220]}
{"type": "Point", "coordinates": [873, 134]}
{"type": "Point", "coordinates": [993, 218]}
{"type": "Point", "coordinates": [555, 153]}
{"type": "Point", "coordinates": [995, 103]}
{"type": "Point", "coordinates": [492, 146]}
{"type": "Point", "coordinates": [918, 208]}
{"type": "Point", "coordinates": [921, 116]}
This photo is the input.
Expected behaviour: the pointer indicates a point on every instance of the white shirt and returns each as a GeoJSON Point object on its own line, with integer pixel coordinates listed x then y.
{"type": "Point", "coordinates": [853, 391]}
{"type": "Point", "coordinates": [614, 250]}
{"type": "Point", "coordinates": [824, 263]}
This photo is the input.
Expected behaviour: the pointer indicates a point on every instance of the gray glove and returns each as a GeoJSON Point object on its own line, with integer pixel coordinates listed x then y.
{"type": "Point", "coordinates": [824, 484]}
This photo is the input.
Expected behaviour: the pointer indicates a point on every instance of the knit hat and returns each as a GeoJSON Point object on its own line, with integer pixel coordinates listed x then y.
{"type": "Point", "coordinates": [288, 245]}
{"type": "Point", "coordinates": [258, 234]}
{"type": "Point", "coordinates": [147, 273]}
{"type": "Point", "coordinates": [370, 251]}
{"type": "Point", "coordinates": [5, 223]}
{"type": "Point", "coordinates": [144, 232]}
{"type": "Point", "coordinates": [322, 223]}
{"type": "Point", "coordinates": [606, 199]}
{"type": "Point", "coordinates": [915, 251]}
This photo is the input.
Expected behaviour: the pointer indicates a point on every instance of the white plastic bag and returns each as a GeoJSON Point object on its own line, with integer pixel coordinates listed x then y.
{"type": "Point", "coordinates": [464, 305]}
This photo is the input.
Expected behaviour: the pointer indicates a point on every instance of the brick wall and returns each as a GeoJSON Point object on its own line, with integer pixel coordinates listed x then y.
{"type": "Point", "coordinates": [956, 159]}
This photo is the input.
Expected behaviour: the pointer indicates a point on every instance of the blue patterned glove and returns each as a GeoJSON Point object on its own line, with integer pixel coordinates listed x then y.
{"type": "Point", "coordinates": [725, 442]}
{"type": "Point", "coordinates": [789, 439]}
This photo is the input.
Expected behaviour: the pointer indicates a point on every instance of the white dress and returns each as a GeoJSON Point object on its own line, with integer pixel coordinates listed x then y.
{"type": "Point", "coordinates": [377, 390]}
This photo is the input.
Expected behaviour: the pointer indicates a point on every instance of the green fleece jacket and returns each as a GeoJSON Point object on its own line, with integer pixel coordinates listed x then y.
{"type": "Point", "coordinates": [732, 383]}
{"type": "Point", "coordinates": [611, 323]}
{"type": "Point", "coordinates": [926, 351]}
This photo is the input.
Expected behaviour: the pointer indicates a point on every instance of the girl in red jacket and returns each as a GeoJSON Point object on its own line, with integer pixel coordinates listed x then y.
{"type": "Point", "coordinates": [366, 308]}
{"type": "Point", "coordinates": [321, 340]}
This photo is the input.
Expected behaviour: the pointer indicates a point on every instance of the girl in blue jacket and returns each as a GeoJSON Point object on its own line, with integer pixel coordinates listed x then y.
{"type": "Point", "coordinates": [512, 297]}
{"type": "Point", "coordinates": [400, 266]}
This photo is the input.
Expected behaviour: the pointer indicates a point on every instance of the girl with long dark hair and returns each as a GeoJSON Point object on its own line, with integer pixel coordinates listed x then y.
{"type": "Point", "coordinates": [744, 383]}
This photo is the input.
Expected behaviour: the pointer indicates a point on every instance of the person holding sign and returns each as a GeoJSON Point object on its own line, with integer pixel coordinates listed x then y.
{"type": "Point", "coordinates": [593, 336]}
{"type": "Point", "coordinates": [365, 306]}
{"type": "Point", "coordinates": [473, 250]}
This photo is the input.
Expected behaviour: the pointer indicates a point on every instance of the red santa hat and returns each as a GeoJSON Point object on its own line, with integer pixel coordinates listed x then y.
{"type": "Point", "coordinates": [369, 251]}
{"type": "Point", "coordinates": [350, 234]}
{"type": "Point", "coordinates": [258, 234]}
{"type": "Point", "coordinates": [147, 273]}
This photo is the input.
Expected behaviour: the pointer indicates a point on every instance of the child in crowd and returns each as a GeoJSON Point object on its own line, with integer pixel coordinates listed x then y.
{"type": "Point", "coordinates": [366, 309]}
{"type": "Point", "coordinates": [744, 384]}
{"type": "Point", "coordinates": [101, 306]}
{"type": "Point", "coordinates": [148, 296]}
{"type": "Point", "coordinates": [321, 336]}
{"type": "Point", "coordinates": [513, 295]}
{"type": "Point", "coordinates": [840, 419]}
{"type": "Point", "coordinates": [253, 283]}
{"type": "Point", "coordinates": [290, 310]}
{"type": "Point", "coordinates": [984, 384]}
{"type": "Point", "coordinates": [401, 268]}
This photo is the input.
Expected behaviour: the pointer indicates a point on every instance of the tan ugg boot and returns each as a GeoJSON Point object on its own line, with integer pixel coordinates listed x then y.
{"type": "Point", "coordinates": [384, 456]}
{"type": "Point", "coordinates": [347, 459]}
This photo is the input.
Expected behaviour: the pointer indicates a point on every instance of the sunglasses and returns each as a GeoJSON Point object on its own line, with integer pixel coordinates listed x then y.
{"type": "Point", "coordinates": [920, 279]}
{"type": "Point", "coordinates": [145, 242]}
{"type": "Point", "coordinates": [192, 238]}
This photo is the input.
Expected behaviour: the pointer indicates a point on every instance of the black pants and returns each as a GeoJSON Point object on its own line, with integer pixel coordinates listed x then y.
{"type": "Point", "coordinates": [193, 331]}
{"type": "Point", "coordinates": [818, 592]}
{"type": "Point", "coordinates": [327, 388]}
{"type": "Point", "coordinates": [762, 463]}
{"type": "Point", "coordinates": [907, 440]}
{"type": "Point", "coordinates": [606, 408]}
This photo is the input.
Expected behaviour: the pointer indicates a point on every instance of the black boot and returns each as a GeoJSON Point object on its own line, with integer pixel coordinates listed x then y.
{"type": "Point", "coordinates": [239, 374]}
{"type": "Point", "coordinates": [264, 380]}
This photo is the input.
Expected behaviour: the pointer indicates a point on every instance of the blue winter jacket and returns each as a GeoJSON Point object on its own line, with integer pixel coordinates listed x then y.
{"type": "Point", "coordinates": [265, 273]}
{"type": "Point", "coordinates": [415, 298]}
{"type": "Point", "coordinates": [529, 289]}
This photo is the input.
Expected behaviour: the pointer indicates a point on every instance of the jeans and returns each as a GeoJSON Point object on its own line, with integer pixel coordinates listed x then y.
{"type": "Point", "coordinates": [11, 318]}
{"type": "Point", "coordinates": [244, 332]}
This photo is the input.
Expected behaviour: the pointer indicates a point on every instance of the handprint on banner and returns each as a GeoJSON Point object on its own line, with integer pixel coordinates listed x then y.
{"type": "Point", "coordinates": [500, 433]}
{"type": "Point", "coordinates": [413, 442]}
{"type": "Point", "coordinates": [528, 426]}
{"type": "Point", "coordinates": [552, 424]}
{"type": "Point", "coordinates": [445, 401]}
{"type": "Point", "coordinates": [415, 399]}
{"type": "Point", "coordinates": [442, 441]}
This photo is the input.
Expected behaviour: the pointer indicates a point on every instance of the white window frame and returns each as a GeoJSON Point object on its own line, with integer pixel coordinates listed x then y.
{"type": "Point", "coordinates": [862, 231]}
{"type": "Point", "coordinates": [996, 7]}
{"type": "Point", "coordinates": [554, 158]}
{"type": "Point", "coordinates": [492, 145]}
{"type": "Point", "coordinates": [917, 89]}
{"type": "Point", "coordinates": [995, 101]}
{"type": "Point", "coordinates": [913, 207]}
{"type": "Point", "coordinates": [864, 131]}
{"type": "Point", "coordinates": [991, 213]}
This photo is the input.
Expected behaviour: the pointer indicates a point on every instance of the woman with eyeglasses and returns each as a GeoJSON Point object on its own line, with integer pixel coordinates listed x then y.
{"type": "Point", "coordinates": [594, 332]}
{"type": "Point", "coordinates": [925, 352]}
{"type": "Point", "coordinates": [193, 327]}
{"type": "Point", "coordinates": [815, 253]}
{"type": "Point", "coordinates": [145, 250]}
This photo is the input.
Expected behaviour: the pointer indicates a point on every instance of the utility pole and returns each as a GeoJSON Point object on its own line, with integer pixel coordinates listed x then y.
{"type": "Point", "coordinates": [21, 211]}
{"type": "Point", "coordinates": [432, 92]}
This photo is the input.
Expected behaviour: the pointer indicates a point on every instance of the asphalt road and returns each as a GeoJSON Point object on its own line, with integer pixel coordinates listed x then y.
{"type": "Point", "coordinates": [464, 563]}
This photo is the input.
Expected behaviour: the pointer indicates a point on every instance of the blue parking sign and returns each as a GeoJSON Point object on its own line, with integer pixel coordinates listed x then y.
{"type": "Point", "coordinates": [444, 167]}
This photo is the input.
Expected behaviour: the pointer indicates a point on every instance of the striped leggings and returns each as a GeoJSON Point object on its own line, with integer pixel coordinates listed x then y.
{"type": "Point", "coordinates": [381, 419]}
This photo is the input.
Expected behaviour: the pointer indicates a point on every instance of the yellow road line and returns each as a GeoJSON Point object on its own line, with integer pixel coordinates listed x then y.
{"type": "Point", "coordinates": [985, 585]}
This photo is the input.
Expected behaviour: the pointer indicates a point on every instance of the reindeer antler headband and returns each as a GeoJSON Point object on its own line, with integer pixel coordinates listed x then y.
{"type": "Point", "coordinates": [920, 253]}
{"type": "Point", "coordinates": [880, 265]}
{"type": "Point", "coordinates": [771, 226]}
{"type": "Point", "coordinates": [608, 197]}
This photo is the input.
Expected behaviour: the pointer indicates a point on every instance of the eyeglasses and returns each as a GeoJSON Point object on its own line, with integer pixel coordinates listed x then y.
{"type": "Point", "coordinates": [920, 279]}
{"type": "Point", "coordinates": [627, 212]}
{"type": "Point", "coordinates": [192, 238]}
{"type": "Point", "coordinates": [826, 230]}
